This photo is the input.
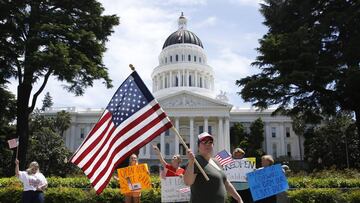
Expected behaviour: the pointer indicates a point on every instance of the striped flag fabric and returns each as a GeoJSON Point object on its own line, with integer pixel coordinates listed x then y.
{"type": "Point", "coordinates": [13, 143]}
{"type": "Point", "coordinates": [184, 190]}
{"type": "Point", "coordinates": [224, 157]}
{"type": "Point", "coordinates": [132, 119]}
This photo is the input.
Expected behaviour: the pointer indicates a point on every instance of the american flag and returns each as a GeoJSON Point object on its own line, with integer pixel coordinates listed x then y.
{"type": "Point", "coordinates": [184, 190]}
{"type": "Point", "coordinates": [13, 143]}
{"type": "Point", "coordinates": [224, 157]}
{"type": "Point", "coordinates": [131, 120]}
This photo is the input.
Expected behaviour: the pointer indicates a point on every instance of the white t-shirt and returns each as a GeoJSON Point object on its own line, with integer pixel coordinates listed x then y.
{"type": "Point", "coordinates": [32, 182]}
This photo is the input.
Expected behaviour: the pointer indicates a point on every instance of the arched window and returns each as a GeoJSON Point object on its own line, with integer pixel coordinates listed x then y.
{"type": "Point", "coordinates": [166, 82]}
{"type": "Point", "coordinates": [182, 57]}
{"type": "Point", "coordinates": [176, 81]}
{"type": "Point", "coordinates": [200, 59]}
{"type": "Point", "coordinates": [200, 82]}
{"type": "Point", "coordinates": [190, 84]}
{"type": "Point", "coordinates": [189, 57]}
{"type": "Point", "coordinates": [195, 58]}
{"type": "Point", "coordinates": [177, 57]}
{"type": "Point", "coordinates": [170, 59]}
{"type": "Point", "coordinates": [165, 59]}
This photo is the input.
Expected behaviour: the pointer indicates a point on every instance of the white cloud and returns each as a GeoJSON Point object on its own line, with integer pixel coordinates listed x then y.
{"type": "Point", "coordinates": [247, 2]}
{"type": "Point", "coordinates": [228, 67]}
{"type": "Point", "coordinates": [208, 22]}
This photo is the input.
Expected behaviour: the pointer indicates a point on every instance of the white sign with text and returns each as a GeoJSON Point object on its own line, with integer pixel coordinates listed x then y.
{"type": "Point", "coordinates": [237, 170]}
{"type": "Point", "coordinates": [173, 189]}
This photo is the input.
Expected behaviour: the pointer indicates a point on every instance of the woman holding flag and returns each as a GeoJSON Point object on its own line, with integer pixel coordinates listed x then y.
{"type": "Point", "coordinates": [33, 181]}
{"type": "Point", "coordinates": [172, 169]}
{"type": "Point", "coordinates": [213, 190]}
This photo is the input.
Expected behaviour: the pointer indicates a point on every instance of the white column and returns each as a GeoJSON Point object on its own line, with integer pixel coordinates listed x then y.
{"type": "Point", "coordinates": [183, 77]}
{"type": "Point", "coordinates": [170, 79]}
{"type": "Point", "coordinates": [196, 85]}
{"type": "Point", "coordinates": [176, 137]}
{"type": "Point", "coordinates": [191, 133]}
{"type": "Point", "coordinates": [158, 82]}
{"type": "Point", "coordinates": [227, 134]}
{"type": "Point", "coordinates": [220, 134]}
{"type": "Point", "coordinates": [268, 148]}
{"type": "Point", "coordinates": [73, 138]}
{"type": "Point", "coordinates": [163, 80]}
{"type": "Point", "coordinates": [206, 124]}
{"type": "Point", "coordinates": [147, 154]}
{"type": "Point", "coordinates": [179, 79]}
{"type": "Point", "coordinates": [282, 139]}
{"type": "Point", "coordinates": [187, 78]}
{"type": "Point", "coordinates": [162, 144]}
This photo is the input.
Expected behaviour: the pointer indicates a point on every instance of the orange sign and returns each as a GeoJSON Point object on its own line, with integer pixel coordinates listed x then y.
{"type": "Point", "coordinates": [134, 178]}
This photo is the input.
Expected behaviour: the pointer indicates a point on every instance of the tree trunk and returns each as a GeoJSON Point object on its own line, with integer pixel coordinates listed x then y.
{"type": "Point", "coordinates": [22, 128]}
{"type": "Point", "coordinates": [357, 122]}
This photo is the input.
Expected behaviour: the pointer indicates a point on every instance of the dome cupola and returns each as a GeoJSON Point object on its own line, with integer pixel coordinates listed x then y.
{"type": "Point", "coordinates": [182, 35]}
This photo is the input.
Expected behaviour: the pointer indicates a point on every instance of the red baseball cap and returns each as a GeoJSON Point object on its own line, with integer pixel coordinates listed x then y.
{"type": "Point", "coordinates": [204, 135]}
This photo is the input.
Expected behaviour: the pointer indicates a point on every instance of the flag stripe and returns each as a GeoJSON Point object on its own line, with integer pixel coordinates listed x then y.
{"type": "Point", "coordinates": [95, 138]}
{"type": "Point", "coordinates": [122, 136]}
{"type": "Point", "coordinates": [122, 144]}
{"type": "Point", "coordinates": [103, 182]}
{"type": "Point", "coordinates": [83, 151]}
{"type": "Point", "coordinates": [101, 121]}
{"type": "Point", "coordinates": [116, 135]}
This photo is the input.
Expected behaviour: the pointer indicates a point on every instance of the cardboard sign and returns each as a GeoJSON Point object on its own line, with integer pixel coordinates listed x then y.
{"type": "Point", "coordinates": [267, 182]}
{"type": "Point", "coordinates": [134, 178]}
{"type": "Point", "coordinates": [173, 189]}
{"type": "Point", "coordinates": [237, 170]}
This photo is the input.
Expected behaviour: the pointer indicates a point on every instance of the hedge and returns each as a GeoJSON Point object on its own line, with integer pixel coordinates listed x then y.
{"type": "Point", "coordinates": [110, 195]}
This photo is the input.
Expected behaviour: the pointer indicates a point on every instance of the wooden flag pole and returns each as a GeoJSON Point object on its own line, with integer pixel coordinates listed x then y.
{"type": "Point", "coordinates": [187, 148]}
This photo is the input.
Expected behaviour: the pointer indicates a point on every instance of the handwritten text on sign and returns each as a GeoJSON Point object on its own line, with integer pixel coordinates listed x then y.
{"type": "Point", "coordinates": [134, 178]}
{"type": "Point", "coordinates": [172, 190]}
{"type": "Point", "coordinates": [267, 182]}
{"type": "Point", "coordinates": [237, 170]}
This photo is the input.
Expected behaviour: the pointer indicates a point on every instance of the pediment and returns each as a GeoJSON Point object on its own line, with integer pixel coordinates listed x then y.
{"type": "Point", "coordinates": [186, 99]}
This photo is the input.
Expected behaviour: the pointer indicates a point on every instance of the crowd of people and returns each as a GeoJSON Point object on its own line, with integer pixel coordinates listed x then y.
{"type": "Point", "coordinates": [214, 190]}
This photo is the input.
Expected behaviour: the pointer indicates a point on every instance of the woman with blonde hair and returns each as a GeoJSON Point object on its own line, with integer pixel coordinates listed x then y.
{"type": "Point", "coordinates": [34, 183]}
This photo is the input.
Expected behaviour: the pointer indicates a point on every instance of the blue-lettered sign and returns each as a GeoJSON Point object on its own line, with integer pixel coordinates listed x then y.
{"type": "Point", "coordinates": [267, 182]}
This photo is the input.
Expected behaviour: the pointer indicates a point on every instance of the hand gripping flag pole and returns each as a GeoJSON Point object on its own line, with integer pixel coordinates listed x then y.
{"type": "Point", "coordinates": [187, 148]}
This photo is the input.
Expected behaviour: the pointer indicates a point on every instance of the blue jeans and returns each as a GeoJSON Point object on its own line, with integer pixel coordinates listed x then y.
{"type": "Point", "coordinates": [32, 197]}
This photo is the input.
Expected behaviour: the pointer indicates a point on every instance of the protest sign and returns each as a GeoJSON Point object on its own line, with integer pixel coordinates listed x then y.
{"type": "Point", "coordinates": [237, 170]}
{"type": "Point", "coordinates": [267, 182]}
{"type": "Point", "coordinates": [173, 189]}
{"type": "Point", "coordinates": [134, 178]}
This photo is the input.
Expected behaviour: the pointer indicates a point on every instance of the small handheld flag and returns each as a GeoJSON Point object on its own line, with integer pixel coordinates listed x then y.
{"type": "Point", "coordinates": [224, 157]}
{"type": "Point", "coordinates": [13, 143]}
{"type": "Point", "coordinates": [132, 119]}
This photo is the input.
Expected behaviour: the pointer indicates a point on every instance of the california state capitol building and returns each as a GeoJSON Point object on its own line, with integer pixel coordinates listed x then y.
{"type": "Point", "coordinates": [183, 84]}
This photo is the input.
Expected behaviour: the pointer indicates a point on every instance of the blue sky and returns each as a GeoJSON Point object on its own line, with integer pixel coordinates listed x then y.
{"type": "Point", "coordinates": [228, 29]}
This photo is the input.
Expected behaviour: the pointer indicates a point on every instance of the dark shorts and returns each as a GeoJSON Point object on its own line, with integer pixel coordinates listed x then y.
{"type": "Point", "coordinates": [32, 197]}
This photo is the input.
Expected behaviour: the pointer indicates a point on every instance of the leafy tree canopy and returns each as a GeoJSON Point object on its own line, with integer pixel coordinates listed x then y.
{"type": "Point", "coordinates": [309, 59]}
{"type": "Point", "coordinates": [59, 38]}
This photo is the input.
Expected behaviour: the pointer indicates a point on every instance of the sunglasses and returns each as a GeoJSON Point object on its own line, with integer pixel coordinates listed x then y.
{"type": "Point", "coordinates": [207, 142]}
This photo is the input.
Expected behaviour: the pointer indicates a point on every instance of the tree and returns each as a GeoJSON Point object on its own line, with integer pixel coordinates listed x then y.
{"type": "Point", "coordinates": [62, 39]}
{"type": "Point", "coordinates": [309, 59]}
{"type": "Point", "coordinates": [333, 144]}
{"type": "Point", "coordinates": [47, 147]}
{"type": "Point", "coordinates": [237, 135]}
{"type": "Point", "coordinates": [47, 101]}
{"type": "Point", "coordinates": [7, 130]}
{"type": "Point", "coordinates": [255, 140]}
{"type": "Point", "coordinates": [62, 122]}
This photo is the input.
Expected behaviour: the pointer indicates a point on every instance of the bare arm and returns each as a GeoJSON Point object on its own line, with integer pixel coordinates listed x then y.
{"type": "Point", "coordinates": [17, 168]}
{"type": "Point", "coordinates": [159, 155]}
{"type": "Point", "coordinates": [189, 176]}
{"type": "Point", "coordinates": [231, 190]}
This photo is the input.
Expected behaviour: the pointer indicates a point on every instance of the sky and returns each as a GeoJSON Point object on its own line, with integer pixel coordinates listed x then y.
{"type": "Point", "coordinates": [228, 29]}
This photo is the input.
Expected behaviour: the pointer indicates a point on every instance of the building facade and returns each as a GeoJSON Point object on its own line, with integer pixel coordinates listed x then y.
{"type": "Point", "coordinates": [183, 84]}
